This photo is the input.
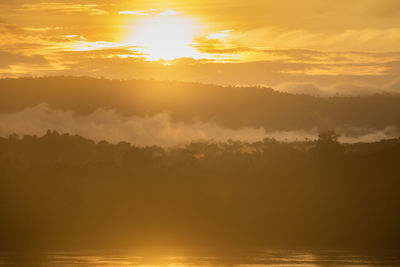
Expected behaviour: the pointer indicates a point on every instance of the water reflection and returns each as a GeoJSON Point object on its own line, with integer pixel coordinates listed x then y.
{"type": "Point", "coordinates": [253, 258]}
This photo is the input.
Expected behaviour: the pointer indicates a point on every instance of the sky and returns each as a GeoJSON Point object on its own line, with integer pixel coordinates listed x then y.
{"type": "Point", "coordinates": [315, 47]}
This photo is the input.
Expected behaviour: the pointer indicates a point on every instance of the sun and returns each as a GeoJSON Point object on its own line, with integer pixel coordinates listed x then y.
{"type": "Point", "coordinates": [165, 37]}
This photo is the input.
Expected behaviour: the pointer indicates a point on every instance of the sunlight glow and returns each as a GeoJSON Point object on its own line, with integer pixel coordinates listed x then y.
{"type": "Point", "coordinates": [166, 37]}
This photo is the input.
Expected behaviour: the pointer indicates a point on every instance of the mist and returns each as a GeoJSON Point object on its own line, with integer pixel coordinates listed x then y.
{"type": "Point", "coordinates": [159, 129]}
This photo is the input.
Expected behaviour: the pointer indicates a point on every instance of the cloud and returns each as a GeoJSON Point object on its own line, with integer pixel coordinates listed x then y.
{"type": "Point", "coordinates": [7, 27]}
{"type": "Point", "coordinates": [134, 12]}
{"type": "Point", "coordinates": [91, 9]}
{"type": "Point", "coordinates": [365, 39]}
{"type": "Point", "coordinates": [104, 53]}
{"type": "Point", "coordinates": [151, 11]}
{"type": "Point", "coordinates": [159, 129]}
{"type": "Point", "coordinates": [8, 59]}
{"type": "Point", "coordinates": [218, 35]}
{"type": "Point", "coordinates": [41, 29]}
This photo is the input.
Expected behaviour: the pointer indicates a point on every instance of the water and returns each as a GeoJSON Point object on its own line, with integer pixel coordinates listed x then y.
{"type": "Point", "coordinates": [298, 258]}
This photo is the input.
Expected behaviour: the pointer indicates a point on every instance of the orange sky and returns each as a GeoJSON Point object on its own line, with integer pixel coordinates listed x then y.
{"type": "Point", "coordinates": [322, 47]}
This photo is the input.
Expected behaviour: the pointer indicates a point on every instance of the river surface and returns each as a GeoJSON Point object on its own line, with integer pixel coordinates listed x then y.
{"type": "Point", "coordinates": [309, 258]}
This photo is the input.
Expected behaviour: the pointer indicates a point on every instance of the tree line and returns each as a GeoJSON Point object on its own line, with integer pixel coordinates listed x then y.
{"type": "Point", "coordinates": [66, 191]}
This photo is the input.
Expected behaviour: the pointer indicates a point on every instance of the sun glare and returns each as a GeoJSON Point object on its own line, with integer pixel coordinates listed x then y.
{"type": "Point", "coordinates": [165, 37]}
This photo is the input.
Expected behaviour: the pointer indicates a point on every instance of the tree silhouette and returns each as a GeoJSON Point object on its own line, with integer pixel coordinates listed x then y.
{"type": "Point", "coordinates": [327, 147]}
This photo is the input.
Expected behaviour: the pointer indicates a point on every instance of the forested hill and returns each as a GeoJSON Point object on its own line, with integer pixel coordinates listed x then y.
{"type": "Point", "coordinates": [60, 191]}
{"type": "Point", "coordinates": [230, 106]}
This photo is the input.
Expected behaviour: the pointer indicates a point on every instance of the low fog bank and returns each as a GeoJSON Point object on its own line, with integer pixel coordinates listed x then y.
{"type": "Point", "coordinates": [347, 88]}
{"type": "Point", "coordinates": [159, 129]}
